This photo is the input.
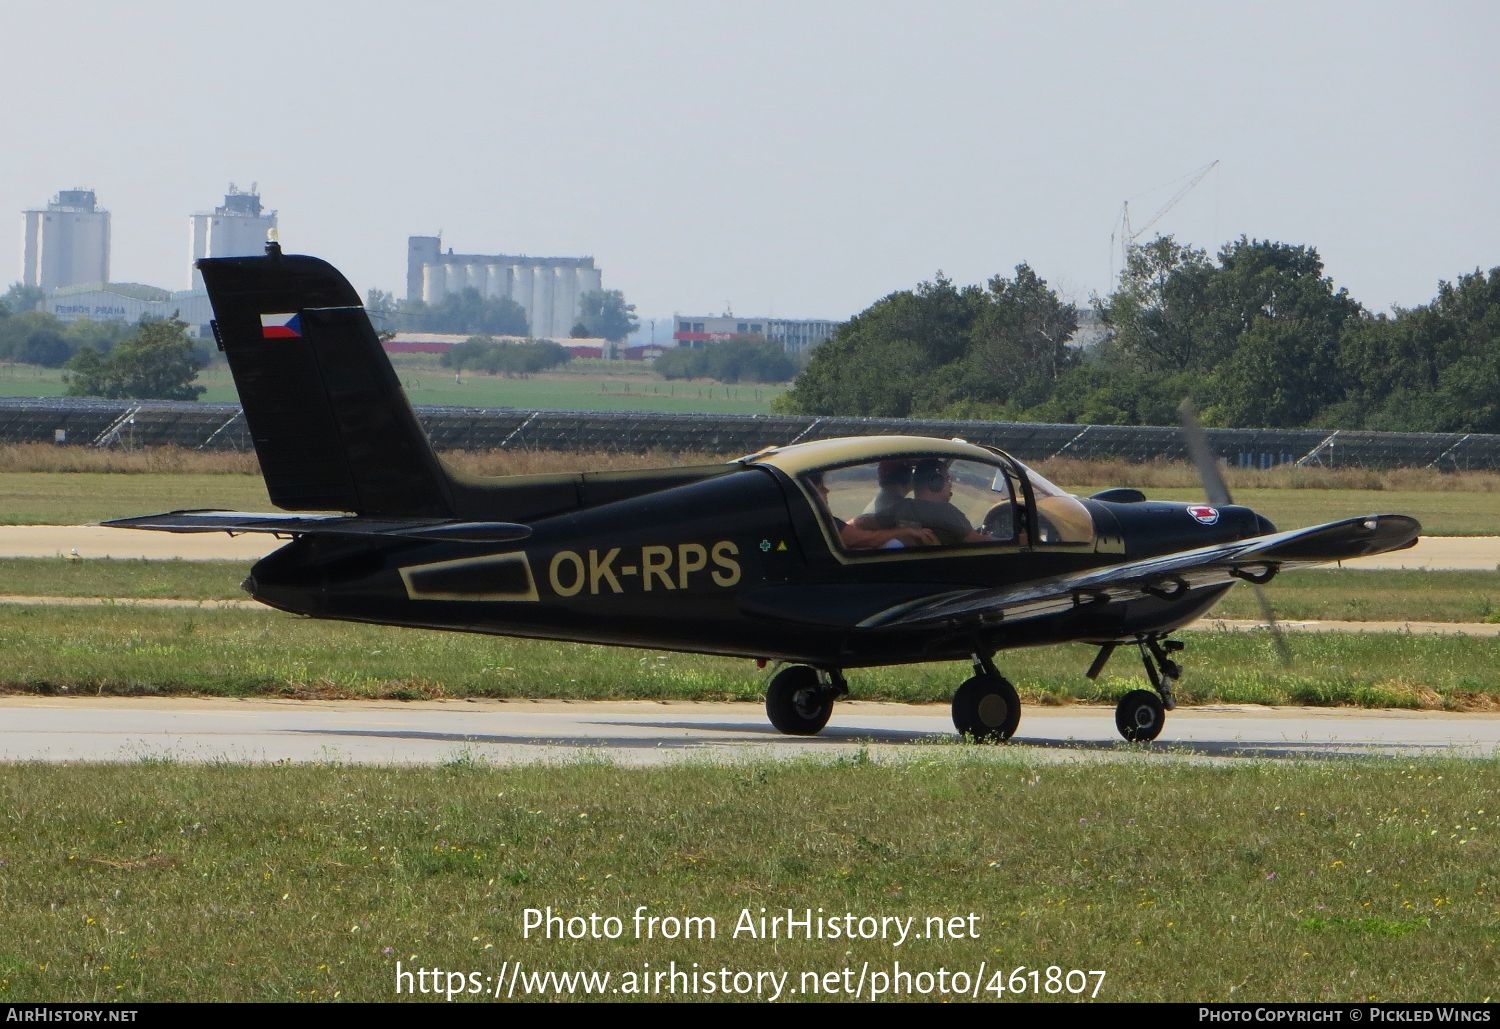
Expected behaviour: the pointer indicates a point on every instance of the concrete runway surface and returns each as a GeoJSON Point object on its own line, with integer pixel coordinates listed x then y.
{"type": "Point", "coordinates": [83, 729]}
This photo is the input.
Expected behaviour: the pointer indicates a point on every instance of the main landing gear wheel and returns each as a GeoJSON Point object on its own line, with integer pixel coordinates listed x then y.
{"type": "Point", "coordinates": [987, 708]}
{"type": "Point", "coordinates": [797, 703]}
{"type": "Point", "coordinates": [1140, 716]}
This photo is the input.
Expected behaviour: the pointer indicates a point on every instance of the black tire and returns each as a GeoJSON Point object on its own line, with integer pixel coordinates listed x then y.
{"type": "Point", "coordinates": [987, 708]}
{"type": "Point", "coordinates": [797, 703]}
{"type": "Point", "coordinates": [1140, 716]}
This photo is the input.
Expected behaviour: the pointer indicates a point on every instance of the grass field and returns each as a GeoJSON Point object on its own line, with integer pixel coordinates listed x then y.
{"type": "Point", "coordinates": [595, 386]}
{"type": "Point", "coordinates": [1321, 882]}
{"type": "Point", "coordinates": [121, 649]}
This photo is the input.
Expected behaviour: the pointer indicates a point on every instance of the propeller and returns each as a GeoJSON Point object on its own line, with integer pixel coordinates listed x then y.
{"type": "Point", "coordinates": [1217, 492]}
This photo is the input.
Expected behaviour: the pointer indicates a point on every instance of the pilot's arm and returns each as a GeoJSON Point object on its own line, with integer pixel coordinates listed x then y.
{"type": "Point", "coordinates": [872, 533]}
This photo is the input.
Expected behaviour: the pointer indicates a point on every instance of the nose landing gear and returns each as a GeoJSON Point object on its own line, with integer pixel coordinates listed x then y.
{"type": "Point", "coordinates": [1141, 714]}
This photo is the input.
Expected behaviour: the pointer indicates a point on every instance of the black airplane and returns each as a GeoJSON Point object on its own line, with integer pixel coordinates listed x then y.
{"type": "Point", "coordinates": [822, 556]}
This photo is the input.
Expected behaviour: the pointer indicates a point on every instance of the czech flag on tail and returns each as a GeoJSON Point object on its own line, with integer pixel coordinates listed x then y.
{"type": "Point", "coordinates": [281, 326]}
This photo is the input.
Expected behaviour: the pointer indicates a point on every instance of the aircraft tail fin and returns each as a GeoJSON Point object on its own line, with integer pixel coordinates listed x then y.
{"type": "Point", "coordinates": [331, 425]}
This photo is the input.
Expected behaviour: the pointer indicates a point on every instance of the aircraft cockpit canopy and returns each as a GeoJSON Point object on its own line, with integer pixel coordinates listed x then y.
{"type": "Point", "coordinates": [953, 495]}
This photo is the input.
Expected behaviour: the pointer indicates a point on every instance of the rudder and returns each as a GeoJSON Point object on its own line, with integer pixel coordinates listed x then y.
{"type": "Point", "coordinates": [331, 425]}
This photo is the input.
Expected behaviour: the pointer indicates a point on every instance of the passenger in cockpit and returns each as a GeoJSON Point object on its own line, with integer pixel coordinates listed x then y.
{"type": "Point", "coordinates": [894, 477]}
{"type": "Point", "coordinates": [863, 533]}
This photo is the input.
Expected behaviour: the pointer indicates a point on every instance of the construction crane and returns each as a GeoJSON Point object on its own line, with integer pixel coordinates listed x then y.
{"type": "Point", "coordinates": [1128, 235]}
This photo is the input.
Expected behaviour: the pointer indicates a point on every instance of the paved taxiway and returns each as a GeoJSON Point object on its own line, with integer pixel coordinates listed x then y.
{"type": "Point", "coordinates": [58, 729]}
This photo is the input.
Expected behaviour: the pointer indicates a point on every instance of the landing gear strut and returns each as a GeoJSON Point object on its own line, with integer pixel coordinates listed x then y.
{"type": "Point", "coordinates": [799, 699]}
{"type": "Point", "coordinates": [1141, 714]}
{"type": "Point", "coordinates": [986, 707]}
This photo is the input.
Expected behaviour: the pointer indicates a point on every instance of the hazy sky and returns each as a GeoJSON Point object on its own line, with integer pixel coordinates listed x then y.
{"type": "Point", "coordinates": [796, 159]}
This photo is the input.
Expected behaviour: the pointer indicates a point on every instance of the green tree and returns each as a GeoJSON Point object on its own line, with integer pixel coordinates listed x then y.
{"type": "Point", "coordinates": [1018, 345]}
{"type": "Point", "coordinates": [1390, 367]}
{"type": "Point", "coordinates": [85, 332]}
{"type": "Point", "coordinates": [159, 362]}
{"type": "Point", "coordinates": [39, 337]}
{"type": "Point", "coordinates": [1271, 333]}
{"type": "Point", "coordinates": [18, 331]}
{"type": "Point", "coordinates": [89, 374]}
{"type": "Point", "coordinates": [1463, 324]}
{"type": "Point", "coordinates": [384, 312]}
{"type": "Point", "coordinates": [603, 313]}
{"type": "Point", "coordinates": [46, 348]}
{"type": "Point", "coordinates": [737, 359]}
{"type": "Point", "coordinates": [381, 302]}
{"type": "Point", "coordinates": [483, 354]}
{"type": "Point", "coordinates": [466, 311]}
{"type": "Point", "coordinates": [1255, 338]}
{"type": "Point", "coordinates": [1425, 369]}
{"type": "Point", "coordinates": [878, 363]}
{"type": "Point", "coordinates": [19, 299]}
{"type": "Point", "coordinates": [1154, 312]}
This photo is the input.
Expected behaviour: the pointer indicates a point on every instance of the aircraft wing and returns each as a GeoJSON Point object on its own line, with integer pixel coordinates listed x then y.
{"type": "Point", "coordinates": [1164, 576]}
{"type": "Point", "coordinates": [235, 522]}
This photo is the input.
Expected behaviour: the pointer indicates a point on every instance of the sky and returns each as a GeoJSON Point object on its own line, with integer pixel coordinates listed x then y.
{"type": "Point", "coordinates": [785, 159]}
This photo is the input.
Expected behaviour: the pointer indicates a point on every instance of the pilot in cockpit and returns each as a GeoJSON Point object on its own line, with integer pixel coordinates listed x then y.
{"type": "Point", "coordinates": [931, 506]}
{"type": "Point", "coordinates": [863, 533]}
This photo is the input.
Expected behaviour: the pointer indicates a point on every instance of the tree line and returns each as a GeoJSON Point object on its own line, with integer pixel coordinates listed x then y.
{"type": "Point", "coordinates": [29, 335]}
{"type": "Point", "coordinates": [500, 357]}
{"type": "Point", "coordinates": [737, 359]}
{"type": "Point", "coordinates": [1255, 336]}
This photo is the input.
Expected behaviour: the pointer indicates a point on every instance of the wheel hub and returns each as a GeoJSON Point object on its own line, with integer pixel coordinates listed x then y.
{"type": "Point", "coordinates": [808, 702]}
{"type": "Point", "coordinates": [993, 710]}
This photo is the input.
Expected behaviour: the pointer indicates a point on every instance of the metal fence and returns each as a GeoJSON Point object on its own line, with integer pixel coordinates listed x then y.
{"type": "Point", "coordinates": [199, 426]}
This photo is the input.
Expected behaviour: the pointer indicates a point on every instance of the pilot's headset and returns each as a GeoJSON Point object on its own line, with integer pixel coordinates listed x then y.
{"type": "Point", "coordinates": [931, 475]}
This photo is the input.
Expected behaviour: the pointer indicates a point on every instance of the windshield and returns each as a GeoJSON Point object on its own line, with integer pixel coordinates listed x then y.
{"type": "Point", "coordinates": [1040, 484]}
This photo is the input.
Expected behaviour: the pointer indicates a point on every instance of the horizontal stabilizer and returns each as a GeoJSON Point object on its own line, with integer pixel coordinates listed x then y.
{"type": "Point", "coordinates": [235, 522]}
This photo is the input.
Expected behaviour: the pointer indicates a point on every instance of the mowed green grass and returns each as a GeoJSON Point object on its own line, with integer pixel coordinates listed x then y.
{"type": "Point", "coordinates": [595, 386]}
{"type": "Point", "coordinates": [120, 649]}
{"type": "Point", "coordinates": [1348, 881]}
{"type": "Point", "coordinates": [78, 498]}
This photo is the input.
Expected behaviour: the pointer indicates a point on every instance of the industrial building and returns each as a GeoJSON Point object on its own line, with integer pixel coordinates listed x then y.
{"type": "Point", "coordinates": [796, 335]}
{"type": "Point", "coordinates": [236, 228]}
{"type": "Point", "coordinates": [547, 288]}
{"type": "Point", "coordinates": [130, 302]}
{"type": "Point", "coordinates": [67, 243]}
{"type": "Point", "coordinates": [66, 255]}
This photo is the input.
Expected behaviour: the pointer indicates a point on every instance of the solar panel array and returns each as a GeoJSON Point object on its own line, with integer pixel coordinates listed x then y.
{"type": "Point", "coordinates": [200, 426]}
